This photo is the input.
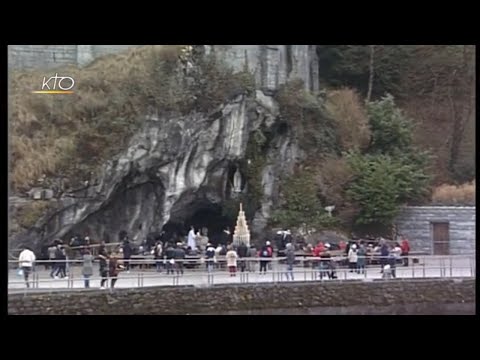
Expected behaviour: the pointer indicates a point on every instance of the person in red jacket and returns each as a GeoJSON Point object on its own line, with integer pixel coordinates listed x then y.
{"type": "Point", "coordinates": [405, 246]}
{"type": "Point", "coordinates": [320, 248]}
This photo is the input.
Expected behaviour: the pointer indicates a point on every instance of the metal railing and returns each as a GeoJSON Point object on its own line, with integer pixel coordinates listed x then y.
{"type": "Point", "coordinates": [306, 269]}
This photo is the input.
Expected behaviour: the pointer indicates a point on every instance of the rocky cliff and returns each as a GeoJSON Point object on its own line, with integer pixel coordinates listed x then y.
{"type": "Point", "coordinates": [172, 168]}
{"type": "Point", "coordinates": [178, 166]}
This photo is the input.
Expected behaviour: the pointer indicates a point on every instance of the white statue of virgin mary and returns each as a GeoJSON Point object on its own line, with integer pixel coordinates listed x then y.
{"type": "Point", "coordinates": [237, 182]}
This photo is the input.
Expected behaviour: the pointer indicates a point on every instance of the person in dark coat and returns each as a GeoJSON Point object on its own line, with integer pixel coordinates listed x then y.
{"type": "Point", "coordinates": [103, 259]}
{"type": "Point", "coordinates": [179, 255]}
{"type": "Point", "coordinates": [61, 258]}
{"type": "Point", "coordinates": [361, 260]}
{"type": "Point", "coordinates": [278, 239]}
{"type": "Point", "coordinates": [265, 256]}
{"type": "Point", "coordinates": [210, 257]}
{"type": "Point", "coordinates": [242, 252]}
{"type": "Point", "coordinates": [384, 252]}
{"type": "Point", "coordinates": [127, 254]}
{"type": "Point", "coordinates": [114, 267]}
{"type": "Point", "coordinates": [170, 258]}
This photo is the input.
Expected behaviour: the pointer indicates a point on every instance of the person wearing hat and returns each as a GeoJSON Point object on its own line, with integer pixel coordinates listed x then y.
{"type": "Point", "coordinates": [265, 254]}
{"type": "Point", "coordinates": [352, 258]}
{"type": "Point", "coordinates": [210, 257]}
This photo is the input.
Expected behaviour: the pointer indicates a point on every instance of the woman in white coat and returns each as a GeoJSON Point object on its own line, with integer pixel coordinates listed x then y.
{"type": "Point", "coordinates": [352, 258]}
{"type": "Point", "coordinates": [232, 261]}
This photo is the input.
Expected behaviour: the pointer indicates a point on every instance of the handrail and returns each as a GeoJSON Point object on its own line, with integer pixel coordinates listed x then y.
{"type": "Point", "coordinates": [223, 258]}
{"type": "Point", "coordinates": [138, 279]}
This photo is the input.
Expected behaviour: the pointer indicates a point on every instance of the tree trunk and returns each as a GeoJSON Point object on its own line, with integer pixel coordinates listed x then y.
{"type": "Point", "coordinates": [370, 80]}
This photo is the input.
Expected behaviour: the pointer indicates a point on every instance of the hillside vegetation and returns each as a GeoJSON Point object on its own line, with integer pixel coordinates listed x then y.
{"type": "Point", "coordinates": [70, 135]}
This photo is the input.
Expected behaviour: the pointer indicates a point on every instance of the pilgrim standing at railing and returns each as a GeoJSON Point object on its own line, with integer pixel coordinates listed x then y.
{"type": "Point", "coordinates": [26, 260]}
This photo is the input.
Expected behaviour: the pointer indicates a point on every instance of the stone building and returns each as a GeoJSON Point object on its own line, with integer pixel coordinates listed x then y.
{"type": "Point", "coordinates": [439, 230]}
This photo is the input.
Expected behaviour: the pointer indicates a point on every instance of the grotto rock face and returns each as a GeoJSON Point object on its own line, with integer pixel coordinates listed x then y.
{"type": "Point", "coordinates": [176, 166]}
{"type": "Point", "coordinates": [172, 167]}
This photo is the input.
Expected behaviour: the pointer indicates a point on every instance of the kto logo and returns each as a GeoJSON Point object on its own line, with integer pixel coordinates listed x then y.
{"type": "Point", "coordinates": [56, 85]}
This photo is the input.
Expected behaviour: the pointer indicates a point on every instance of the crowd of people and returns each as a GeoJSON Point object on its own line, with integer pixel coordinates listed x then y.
{"type": "Point", "coordinates": [359, 253]}
{"type": "Point", "coordinates": [172, 257]}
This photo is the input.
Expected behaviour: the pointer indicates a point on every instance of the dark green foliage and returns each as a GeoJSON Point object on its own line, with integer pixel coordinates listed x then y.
{"type": "Point", "coordinates": [301, 204]}
{"type": "Point", "coordinates": [391, 130]}
{"type": "Point", "coordinates": [382, 184]}
{"type": "Point", "coordinates": [393, 173]}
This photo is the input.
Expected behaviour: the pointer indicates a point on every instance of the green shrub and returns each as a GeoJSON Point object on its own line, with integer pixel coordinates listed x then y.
{"type": "Point", "coordinates": [391, 129]}
{"type": "Point", "coordinates": [301, 204]}
{"type": "Point", "coordinates": [381, 184]}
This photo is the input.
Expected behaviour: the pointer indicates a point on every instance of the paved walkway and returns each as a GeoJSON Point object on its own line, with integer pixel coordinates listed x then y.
{"type": "Point", "coordinates": [198, 277]}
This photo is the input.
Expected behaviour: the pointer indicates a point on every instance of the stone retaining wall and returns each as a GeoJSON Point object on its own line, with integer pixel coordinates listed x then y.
{"type": "Point", "coordinates": [194, 300]}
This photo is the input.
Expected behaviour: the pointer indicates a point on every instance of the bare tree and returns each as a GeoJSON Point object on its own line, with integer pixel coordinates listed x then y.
{"type": "Point", "coordinates": [370, 80]}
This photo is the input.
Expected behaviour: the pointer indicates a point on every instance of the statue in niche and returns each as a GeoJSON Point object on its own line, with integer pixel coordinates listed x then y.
{"type": "Point", "coordinates": [237, 182]}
